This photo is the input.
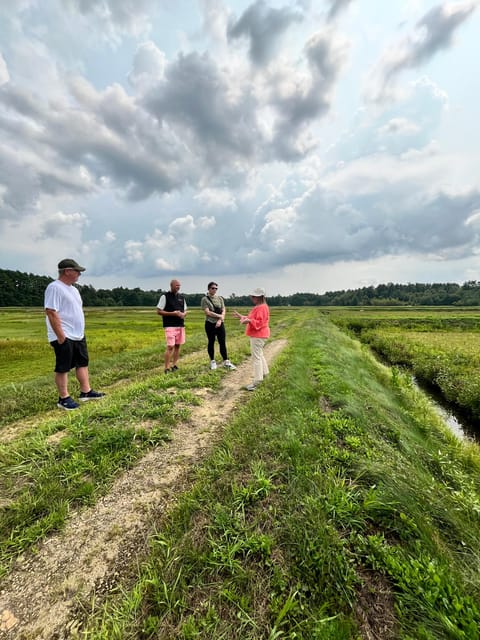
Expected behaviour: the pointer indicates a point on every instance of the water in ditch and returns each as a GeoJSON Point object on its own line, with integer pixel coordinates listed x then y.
{"type": "Point", "coordinates": [463, 425]}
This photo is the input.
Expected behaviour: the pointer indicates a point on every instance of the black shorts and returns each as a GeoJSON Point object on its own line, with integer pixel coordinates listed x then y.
{"type": "Point", "coordinates": [70, 354]}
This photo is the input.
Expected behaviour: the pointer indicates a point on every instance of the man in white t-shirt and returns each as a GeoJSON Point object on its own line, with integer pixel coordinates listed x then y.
{"type": "Point", "coordinates": [65, 329]}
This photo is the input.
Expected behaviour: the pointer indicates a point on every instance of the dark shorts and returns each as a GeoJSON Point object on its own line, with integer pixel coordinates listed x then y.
{"type": "Point", "coordinates": [70, 354]}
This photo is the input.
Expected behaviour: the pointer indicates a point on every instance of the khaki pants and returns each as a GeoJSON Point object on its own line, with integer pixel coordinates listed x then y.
{"type": "Point", "coordinates": [260, 366]}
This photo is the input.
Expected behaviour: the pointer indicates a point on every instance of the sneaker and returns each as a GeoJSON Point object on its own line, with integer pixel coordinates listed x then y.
{"type": "Point", "coordinates": [67, 403]}
{"type": "Point", "coordinates": [90, 395]}
{"type": "Point", "coordinates": [167, 370]}
{"type": "Point", "coordinates": [229, 365]}
{"type": "Point", "coordinates": [251, 387]}
{"type": "Point", "coordinates": [174, 368]}
{"type": "Point", "coordinates": [213, 365]}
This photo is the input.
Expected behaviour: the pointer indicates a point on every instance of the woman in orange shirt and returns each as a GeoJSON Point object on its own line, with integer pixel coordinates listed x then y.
{"type": "Point", "coordinates": [258, 330]}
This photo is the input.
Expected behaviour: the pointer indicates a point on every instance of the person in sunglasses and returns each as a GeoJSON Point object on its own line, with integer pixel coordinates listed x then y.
{"type": "Point", "coordinates": [213, 306]}
{"type": "Point", "coordinates": [65, 329]}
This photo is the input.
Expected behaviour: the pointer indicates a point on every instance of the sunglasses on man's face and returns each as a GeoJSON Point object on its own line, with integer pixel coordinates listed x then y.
{"type": "Point", "coordinates": [213, 287]}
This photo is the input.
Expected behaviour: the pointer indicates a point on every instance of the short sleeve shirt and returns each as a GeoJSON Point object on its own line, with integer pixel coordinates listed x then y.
{"type": "Point", "coordinates": [66, 301]}
{"type": "Point", "coordinates": [213, 303]}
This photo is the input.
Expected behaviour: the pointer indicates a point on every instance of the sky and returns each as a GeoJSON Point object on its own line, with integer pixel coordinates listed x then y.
{"type": "Point", "coordinates": [299, 145]}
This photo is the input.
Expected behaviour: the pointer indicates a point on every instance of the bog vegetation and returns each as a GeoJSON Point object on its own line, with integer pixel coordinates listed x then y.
{"type": "Point", "coordinates": [337, 505]}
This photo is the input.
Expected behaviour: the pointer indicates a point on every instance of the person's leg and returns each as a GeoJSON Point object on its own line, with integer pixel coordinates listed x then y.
{"type": "Point", "coordinates": [265, 369]}
{"type": "Point", "coordinates": [175, 354]}
{"type": "Point", "coordinates": [256, 346]}
{"type": "Point", "coordinates": [170, 343]}
{"type": "Point", "coordinates": [61, 381]}
{"type": "Point", "coordinates": [221, 337]}
{"type": "Point", "coordinates": [80, 362]}
{"type": "Point", "coordinates": [81, 374]}
{"type": "Point", "coordinates": [64, 361]}
{"type": "Point", "coordinates": [168, 356]}
{"type": "Point", "coordinates": [210, 331]}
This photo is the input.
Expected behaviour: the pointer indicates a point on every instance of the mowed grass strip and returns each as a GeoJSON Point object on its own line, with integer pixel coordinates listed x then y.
{"type": "Point", "coordinates": [337, 507]}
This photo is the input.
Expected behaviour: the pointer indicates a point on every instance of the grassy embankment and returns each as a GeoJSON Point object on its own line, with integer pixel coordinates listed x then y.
{"type": "Point", "coordinates": [337, 505]}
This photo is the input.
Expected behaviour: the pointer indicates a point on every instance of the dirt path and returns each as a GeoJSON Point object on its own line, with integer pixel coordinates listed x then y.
{"type": "Point", "coordinates": [46, 593]}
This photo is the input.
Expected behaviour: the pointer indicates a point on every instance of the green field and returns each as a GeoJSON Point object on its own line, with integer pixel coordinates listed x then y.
{"type": "Point", "coordinates": [337, 505]}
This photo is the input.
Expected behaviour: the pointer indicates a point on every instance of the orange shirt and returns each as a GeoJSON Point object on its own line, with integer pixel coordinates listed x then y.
{"type": "Point", "coordinates": [258, 325]}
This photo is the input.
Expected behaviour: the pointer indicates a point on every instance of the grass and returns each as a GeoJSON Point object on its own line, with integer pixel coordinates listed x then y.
{"type": "Point", "coordinates": [60, 461]}
{"type": "Point", "coordinates": [337, 506]}
{"type": "Point", "coordinates": [440, 348]}
{"type": "Point", "coordinates": [123, 344]}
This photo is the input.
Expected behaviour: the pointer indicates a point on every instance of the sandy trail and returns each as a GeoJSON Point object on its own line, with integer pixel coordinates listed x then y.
{"type": "Point", "coordinates": [46, 593]}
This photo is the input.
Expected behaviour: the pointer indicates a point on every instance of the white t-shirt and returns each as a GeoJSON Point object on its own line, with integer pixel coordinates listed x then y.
{"type": "Point", "coordinates": [67, 302]}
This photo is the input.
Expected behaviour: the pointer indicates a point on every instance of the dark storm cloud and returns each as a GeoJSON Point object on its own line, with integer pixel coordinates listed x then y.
{"type": "Point", "coordinates": [263, 26]}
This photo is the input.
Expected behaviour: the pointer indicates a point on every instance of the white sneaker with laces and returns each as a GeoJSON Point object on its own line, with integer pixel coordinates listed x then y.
{"type": "Point", "coordinates": [213, 365]}
{"type": "Point", "coordinates": [229, 365]}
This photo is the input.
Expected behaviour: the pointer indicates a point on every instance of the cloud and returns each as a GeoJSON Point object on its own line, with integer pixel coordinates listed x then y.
{"type": "Point", "coordinates": [367, 209]}
{"type": "Point", "coordinates": [409, 123]}
{"type": "Point", "coordinates": [60, 224]}
{"type": "Point", "coordinates": [399, 126]}
{"type": "Point", "coordinates": [192, 121]}
{"type": "Point", "coordinates": [433, 33]}
{"type": "Point", "coordinates": [4, 75]}
{"type": "Point", "coordinates": [263, 27]}
{"type": "Point", "coordinates": [215, 123]}
{"type": "Point", "coordinates": [301, 99]}
{"type": "Point", "coordinates": [337, 7]}
{"type": "Point", "coordinates": [216, 199]}
{"type": "Point", "coordinates": [148, 66]}
{"type": "Point", "coordinates": [116, 17]}
{"type": "Point", "coordinates": [71, 148]}
{"type": "Point", "coordinates": [150, 139]}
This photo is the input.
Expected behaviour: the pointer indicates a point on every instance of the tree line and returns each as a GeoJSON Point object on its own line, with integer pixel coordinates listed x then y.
{"type": "Point", "coordinates": [19, 289]}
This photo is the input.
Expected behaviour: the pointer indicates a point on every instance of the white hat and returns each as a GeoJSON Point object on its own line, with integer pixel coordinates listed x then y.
{"type": "Point", "coordinates": [258, 292]}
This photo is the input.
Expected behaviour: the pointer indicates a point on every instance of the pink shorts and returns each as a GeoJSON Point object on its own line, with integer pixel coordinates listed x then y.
{"type": "Point", "coordinates": [174, 335]}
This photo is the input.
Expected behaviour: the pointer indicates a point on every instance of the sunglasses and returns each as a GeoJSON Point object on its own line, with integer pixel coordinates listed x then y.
{"type": "Point", "coordinates": [213, 287]}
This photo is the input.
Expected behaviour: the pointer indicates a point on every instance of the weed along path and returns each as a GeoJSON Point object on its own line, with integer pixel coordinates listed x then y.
{"type": "Point", "coordinates": [48, 593]}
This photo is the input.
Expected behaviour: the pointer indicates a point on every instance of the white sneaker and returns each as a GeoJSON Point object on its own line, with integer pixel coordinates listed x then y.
{"type": "Point", "coordinates": [229, 365]}
{"type": "Point", "coordinates": [213, 365]}
{"type": "Point", "coordinates": [251, 387]}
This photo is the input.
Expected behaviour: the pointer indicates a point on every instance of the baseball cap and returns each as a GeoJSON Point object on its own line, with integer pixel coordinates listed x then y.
{"type": "Point", "coordinates": [68, 263]}
{"type": "Point", "coordinates": [258, 292]}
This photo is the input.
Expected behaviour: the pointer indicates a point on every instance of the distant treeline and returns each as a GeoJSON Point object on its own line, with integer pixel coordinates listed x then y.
{"type": "Point", "coordinates": [19, 289]}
